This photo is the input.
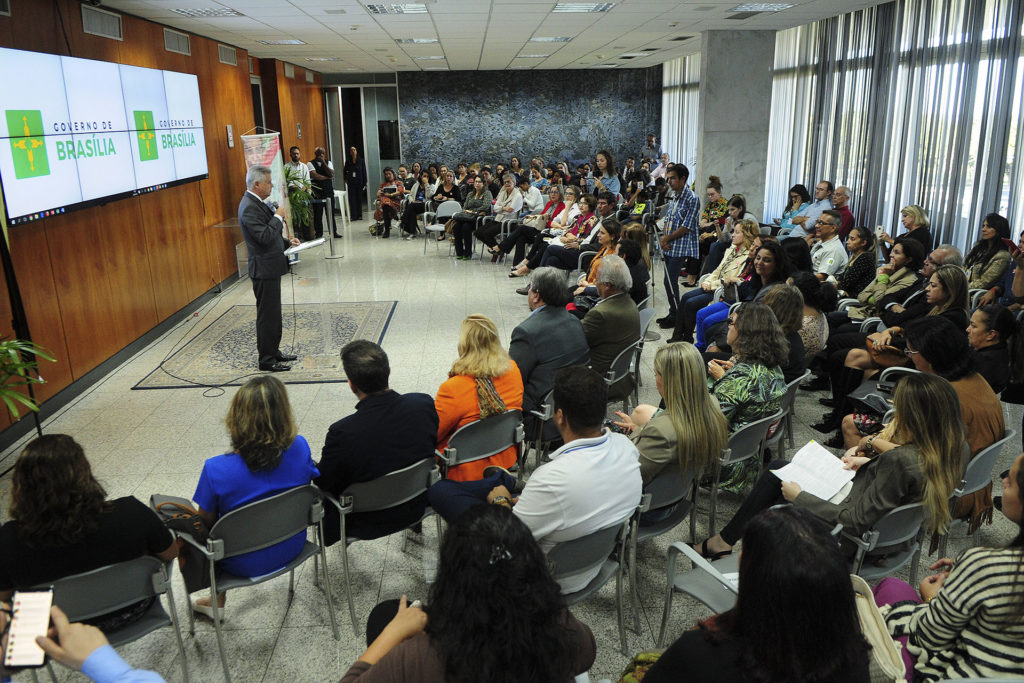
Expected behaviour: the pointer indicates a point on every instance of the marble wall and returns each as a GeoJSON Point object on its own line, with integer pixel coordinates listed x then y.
{"type": "Point", "coordinates": [735, 112]}
{"type": "Point", "coordinates": [493, 115]}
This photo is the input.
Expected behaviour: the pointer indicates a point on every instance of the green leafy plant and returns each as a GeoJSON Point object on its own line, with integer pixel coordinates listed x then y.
{"type": "Point", "coordinates": [300, 193]}
{"type": "Point", "coordinates": [18, 360]}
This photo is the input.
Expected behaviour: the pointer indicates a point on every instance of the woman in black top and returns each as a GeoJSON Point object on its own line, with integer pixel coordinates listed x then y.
{"type": "Point", "coordinates": [988, 332]}
{"type": "Point", "coordinates": [860, 269]}
{"type": "Point", "coordinates": [790, 568]}
{"type": "Point", "coordinates": [63, 524]}
{"type": "Point", "coordinates": [915, 220]}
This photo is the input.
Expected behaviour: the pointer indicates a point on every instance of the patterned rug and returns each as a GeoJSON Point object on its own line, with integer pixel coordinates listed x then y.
{"type": "Point", "coordinates": [224, 353]}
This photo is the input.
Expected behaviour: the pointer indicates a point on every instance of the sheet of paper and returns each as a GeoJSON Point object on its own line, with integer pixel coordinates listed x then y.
{"type": "Point", "coordinates": [816, 470]}
{"type": "Point", "coordinates": [305, 245]}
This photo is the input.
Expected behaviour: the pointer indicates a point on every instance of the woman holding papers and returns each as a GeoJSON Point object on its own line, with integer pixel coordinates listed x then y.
{"type": "Point", "coordinates": [926, 467]}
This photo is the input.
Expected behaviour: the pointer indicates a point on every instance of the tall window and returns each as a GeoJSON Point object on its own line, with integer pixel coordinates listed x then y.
{"type": "Point", "coordinates": [911, 102]}
{"type": "Point", "coordinates": [680, 92]}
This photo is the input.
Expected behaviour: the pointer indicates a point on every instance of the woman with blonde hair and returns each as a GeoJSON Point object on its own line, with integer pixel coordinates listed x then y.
{"type": "Point", "coordinates": [691, 430]}
{"type": "Point", "coordinates": [924, 468]}
{"type": "Point", "coordinates": [267, 457]}
{"type": "Point", "coordinates": [915, 220]}
{"type": "Point", "coordinates": [727, 274]}
{"type": "Point", "coordinates": [483, 381]}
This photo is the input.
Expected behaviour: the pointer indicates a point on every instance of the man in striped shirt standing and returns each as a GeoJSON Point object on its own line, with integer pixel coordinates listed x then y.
{"type": "Point", "coordinates": [679, 239]}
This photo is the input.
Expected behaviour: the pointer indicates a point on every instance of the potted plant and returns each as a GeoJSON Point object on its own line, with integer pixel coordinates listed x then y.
{"type": "Point", "coordinates": [18, 362]}
{"type": "Point", "coordinates": [300, 194]}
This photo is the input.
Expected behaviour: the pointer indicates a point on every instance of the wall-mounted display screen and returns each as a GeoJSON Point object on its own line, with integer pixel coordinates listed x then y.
{"type": "Point", "coordinates": [79, 132]}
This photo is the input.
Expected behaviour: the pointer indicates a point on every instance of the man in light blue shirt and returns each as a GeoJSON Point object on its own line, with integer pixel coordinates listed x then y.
{"type": "Point", "coordinates": [822, 202]}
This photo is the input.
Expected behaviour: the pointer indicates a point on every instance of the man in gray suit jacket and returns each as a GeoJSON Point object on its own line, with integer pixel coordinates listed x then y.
{"type": "Point", "coordinates": [614, 323]}
{"type": "Point", "coordinates": [262, 230]}
{"type": "Point", "coordinates": [549, 339]}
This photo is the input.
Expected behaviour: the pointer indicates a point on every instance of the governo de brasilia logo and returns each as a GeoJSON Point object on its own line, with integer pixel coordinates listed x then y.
{"type": "Point", "coordinates": [28, 146]}
{"type": "Point", "coordinates": [146, 132]}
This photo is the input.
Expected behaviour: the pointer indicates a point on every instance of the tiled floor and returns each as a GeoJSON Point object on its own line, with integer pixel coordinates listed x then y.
{"type": "Point", "coordinates": [144, 442]}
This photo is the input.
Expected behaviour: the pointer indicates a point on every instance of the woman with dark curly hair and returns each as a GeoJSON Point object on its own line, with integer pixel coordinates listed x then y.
{"type": "Point", "coordinates": [494, 613]}
{"type": "Point", "coordinates": [267, 457]}
{"type": "Point", "coordinates": [790, 567]}
{"type": "Point", "coordinates": [62, 523]}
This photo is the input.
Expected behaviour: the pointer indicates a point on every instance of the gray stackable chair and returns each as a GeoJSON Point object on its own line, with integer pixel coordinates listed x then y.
{"type": "Point", "coordinates": [977, 475]}
{"type": "Point", "coordinates": [596, 549]}
{"type": "Point", "coordinates": [539, 443]}
{"type": "Point", "coordinates": [715, 584]}
{"type": "Point", "coordinates": [623, 366]}
{"type": "Point", "coordinates": [259, 525]}
{"type": "Point", "coordinates": [445, 211]}
{"type": "Point", "coordinates": [707, 582]}
{"type": "Point", "coordinates": [108, 589]}
{"type": "Point", "coordinates": [484, 438]}
{"type": "Point", "coordinates": [974, 296]}
{"type": "Point", "coordinates": [900, 532]}
{"type": "Point", "coordinates": [382, 493]}
{"type": "Point", "coordinates": [646, 317]}
{"type": "Point", "coordinates": [745, 443]}
{"type": "Point", "coordinates": [786, 429]}
{"type": "Point", "coordinates": [669, 487]}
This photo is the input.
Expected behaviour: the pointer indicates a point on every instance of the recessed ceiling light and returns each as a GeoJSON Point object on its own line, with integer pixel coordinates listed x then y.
{"type": "Point", "coordinates": [324, 59]}
{"type": "Point", "coordinates": [761, 7]}
{"type": "Point", "coordinates": [533, 56]}
{"type": "Point", "coordinates": [630, 55]}
{"type": "Point", "coordinates": [287, 41]}
{"type": "Point", "coordinates": [554, 39]}
{"type": "Point", "coordinates": [583, 6]}
{"type": "Point", "coordinates": [207, 12]}
{"type": "Point", "coordinates": [416, 41]}
{"type": "Point", "coordinates": [435, 68]}
{"type": "Point", "coordinates": [430, 57]}
{"type": "Point", "coordinates": [407, 8]}
{"type": "Point", "coordinates": [603, 66]}
{"type": "Point", "coordinates": [334, 11]}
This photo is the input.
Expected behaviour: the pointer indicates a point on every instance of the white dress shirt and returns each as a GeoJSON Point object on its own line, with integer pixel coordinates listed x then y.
{"type": "Point", "coordinates": [588, 485]}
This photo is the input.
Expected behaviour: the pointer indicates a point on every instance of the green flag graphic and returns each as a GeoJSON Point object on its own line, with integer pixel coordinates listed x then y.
{"type": "Point", "coordinates": [25, 127]}
{"type": "Point", "coordinates": [147, 137]}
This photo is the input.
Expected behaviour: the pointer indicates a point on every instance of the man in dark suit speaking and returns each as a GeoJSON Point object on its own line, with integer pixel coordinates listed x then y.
{"type": "Point", "coordinates": [262, 229]}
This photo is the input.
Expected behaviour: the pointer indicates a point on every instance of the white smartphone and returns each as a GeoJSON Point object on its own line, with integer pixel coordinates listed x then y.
{"type": "Point", "coordinates": [879, 229]}
{"type": "Point", "coordinates": [30, 617]}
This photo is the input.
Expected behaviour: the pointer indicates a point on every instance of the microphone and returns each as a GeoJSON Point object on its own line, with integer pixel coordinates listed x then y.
{"type": "Point", "coordinates": [272, 204]}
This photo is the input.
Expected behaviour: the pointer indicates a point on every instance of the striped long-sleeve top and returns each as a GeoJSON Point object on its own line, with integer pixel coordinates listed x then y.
{"type": "Point", "coordinates": [964, 632]}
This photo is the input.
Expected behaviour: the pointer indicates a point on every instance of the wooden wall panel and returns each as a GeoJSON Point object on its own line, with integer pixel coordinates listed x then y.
{"type": "Point", "coordinates": [95, 280]}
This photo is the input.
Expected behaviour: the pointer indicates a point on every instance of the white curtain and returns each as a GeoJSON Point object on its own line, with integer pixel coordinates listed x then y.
{"type": "Point", "coordinates": [680, 92]}
{"type": "Point", "coordinates": [910, 102]}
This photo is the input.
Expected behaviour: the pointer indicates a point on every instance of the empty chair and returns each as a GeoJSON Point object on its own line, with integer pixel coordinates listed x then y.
{"type": "Point", "coordinates": [622, 367]}
{"type": "Point", "coordinates": [786, 428]}
{"type": "Point", "coordinates": [445, 211]}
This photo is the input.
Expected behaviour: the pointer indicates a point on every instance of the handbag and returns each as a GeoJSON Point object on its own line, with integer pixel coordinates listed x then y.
{"type": "Point", "coordinates": [886, 664]}
{"type": "Point", "coordinates": [179, 516]}
{"type": "Point", "coordinates": [886, 355]}
{"type": "Point", "coordinates": [449, 226]}
{"type": "Point", "coordinates": [538, 221]}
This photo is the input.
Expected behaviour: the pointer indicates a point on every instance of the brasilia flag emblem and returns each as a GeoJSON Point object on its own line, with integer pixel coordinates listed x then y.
{"type": "Point", "coordinates": [147, 136]}
{"type": "Point", "coordinates": [28, 146]}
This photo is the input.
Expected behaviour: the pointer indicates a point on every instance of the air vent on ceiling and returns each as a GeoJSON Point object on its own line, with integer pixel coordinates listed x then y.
{"type": "Point", "coordinates": [100, 22]}
{"type": "Point", "coordinates": [175, 41]}
{"type": "Point", "coordinates": [309, 76]}
{"type": "Point", "coordinates": [334, 11]}
{"type": "Point", "coordinates": [649, 49]}
{"type": "Point", "coordinates": [627, 57]}
{"type": "Point", "coordinates": [394, 8]}
{"type": "Point", "coordinates": [681, 38]}
{"type": "Point", "coordinates": [743, 15]}
{"type": "Point", "coordinates": [5, 8]}
{"type": "Point", "coordinates": [207, 12]}
{"type": "Point", "coordinates": [227, 55]}
{"type": "Point", "coordinates": [289, 70]}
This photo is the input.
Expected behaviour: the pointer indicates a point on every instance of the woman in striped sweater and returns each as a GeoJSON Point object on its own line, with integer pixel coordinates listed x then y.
{"type": "Point", "coordinates": [971, 623]}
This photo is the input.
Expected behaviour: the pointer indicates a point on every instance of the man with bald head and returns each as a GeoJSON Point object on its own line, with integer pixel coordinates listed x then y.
{"type": "Point", "coordinates": [841, 203]}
